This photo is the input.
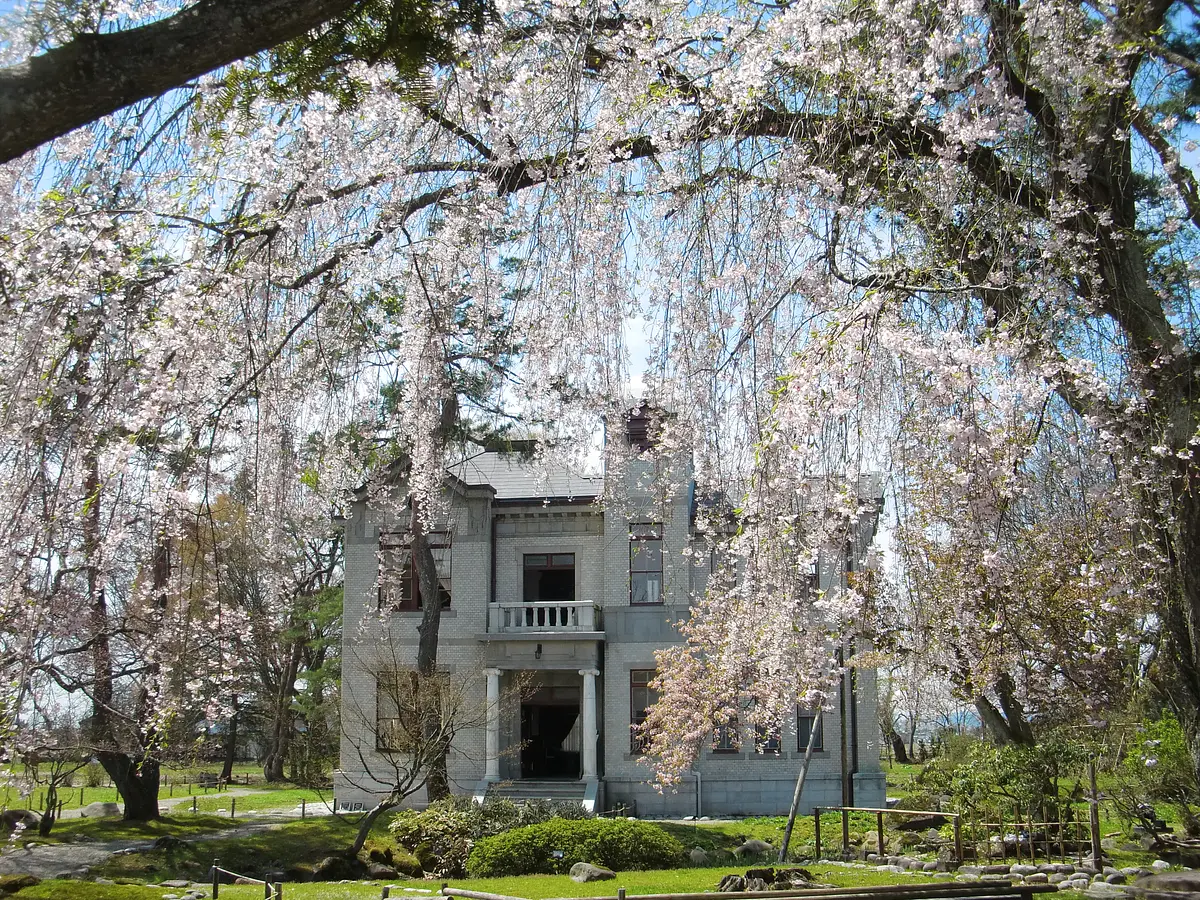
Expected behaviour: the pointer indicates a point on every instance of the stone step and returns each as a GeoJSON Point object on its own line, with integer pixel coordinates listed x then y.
{"type": "Point", "coordinates": [520, 791]}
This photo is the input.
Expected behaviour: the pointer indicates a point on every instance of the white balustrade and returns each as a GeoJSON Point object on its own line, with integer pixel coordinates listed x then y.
{"type": "Point", "coordinates": [543, 616]}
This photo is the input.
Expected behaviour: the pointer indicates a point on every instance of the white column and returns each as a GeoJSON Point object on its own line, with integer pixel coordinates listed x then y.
{"type": "Point", "coordinates": [588, 729]}
{"type": "Point", "coordinates": [492, 770]}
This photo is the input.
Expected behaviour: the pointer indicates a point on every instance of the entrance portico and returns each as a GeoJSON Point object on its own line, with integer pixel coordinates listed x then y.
{"type": "Point", "coordinates": [558, 726]}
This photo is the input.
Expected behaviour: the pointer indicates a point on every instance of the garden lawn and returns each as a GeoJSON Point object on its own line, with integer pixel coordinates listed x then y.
{"type": "Point", "coordinates": [280, 847]}
{"type": "Point", "coordinates": [183, 826]}
{"type": "Point", "coordinates": [534, 887]}
{"type": "Point", "coordinates": [283, 798]}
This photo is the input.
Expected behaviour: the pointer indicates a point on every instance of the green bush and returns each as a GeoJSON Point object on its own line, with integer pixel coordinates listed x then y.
{"type": "Point", "coordinates": [616, 843]}
{"type": "Point", "coordinates": [442, 835]}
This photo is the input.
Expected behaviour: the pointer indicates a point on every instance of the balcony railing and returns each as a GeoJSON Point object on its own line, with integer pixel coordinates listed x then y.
{"type": "Point", "coordinates": [554, 616]}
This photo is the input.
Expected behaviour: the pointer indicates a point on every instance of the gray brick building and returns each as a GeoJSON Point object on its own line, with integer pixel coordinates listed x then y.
{"type": "Point", "coordinates": [556, 605]}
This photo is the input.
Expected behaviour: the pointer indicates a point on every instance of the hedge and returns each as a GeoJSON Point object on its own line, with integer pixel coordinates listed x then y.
{"type": "Point", "coordinates": [619, 844]}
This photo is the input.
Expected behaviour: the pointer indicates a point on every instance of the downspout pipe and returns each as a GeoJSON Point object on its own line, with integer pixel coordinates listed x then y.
{"type": "Point", "coordinates": [699, 803]}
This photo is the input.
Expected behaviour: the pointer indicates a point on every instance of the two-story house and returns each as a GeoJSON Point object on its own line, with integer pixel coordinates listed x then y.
{"type": "Point", "coordinates": [545, 588]}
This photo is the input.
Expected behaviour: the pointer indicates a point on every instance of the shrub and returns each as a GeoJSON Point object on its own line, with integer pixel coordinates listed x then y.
{"type": "Point", "coordinates": [442, 835]}
{"type": "Point", "coordinates": [616, 843]}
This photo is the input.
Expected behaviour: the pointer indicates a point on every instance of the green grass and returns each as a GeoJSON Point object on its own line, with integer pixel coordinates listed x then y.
{"type": "Point", "coordinates": [180, 826]}
{"type": "Point", "coordinates": [180, 781]}
{"type": "Point", "coordinates": [84, 890]}
{"type": "Point", "coordinates": [534, 887]}
{"type": "Point", "coordinates": [282, 798]}
{"type": "Point", "coordinates": [299, 843]}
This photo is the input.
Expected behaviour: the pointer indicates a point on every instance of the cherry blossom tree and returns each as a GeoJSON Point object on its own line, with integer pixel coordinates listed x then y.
{"type": "Point", "coordinates": [840, 227]}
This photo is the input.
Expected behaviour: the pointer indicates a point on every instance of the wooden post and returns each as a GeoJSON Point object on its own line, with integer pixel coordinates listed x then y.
{"type": "Point", "coordinates": [233, 807]}
{"type": "Point", "coordinates": [817, 832]}
{"type": "Point", "coordinates": [278, 890]}
{"type": "Point", "coordinates": [879, 828]}
{"type": "Point", "coordinates": [387, 892]}
{"type": "Point", "coordinates": [958, 847]}
{"type": "Point", "coordinates": [620, 893]}
{"type": "Point", "coordinates": [216, 878]}
{"type": "Point", "coordinates": [193, 803]}
{"type": "Point", "coordinates": [302, 807]}
{"type": "Point", "coordinates": [266, 890]}
{"type": "Point", "coordinates": [1094, 809]}
{"type": "Point", "coordinates": [845, 833]}
{"type": "Point", "coordinates": [1017, 828]}
{"type": "Point", "coordinates": [81, 796]}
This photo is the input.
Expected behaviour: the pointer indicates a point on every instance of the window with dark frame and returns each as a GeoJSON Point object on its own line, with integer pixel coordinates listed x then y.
{"type": "Point", "coordinates": [399, 587]}
{"type": "Point", "coordinates": [727, 738]}
{"type": "Point", "coordinates": [395, 711]}
{"type": "Point", "coordinates": [645, 564]}
{"type": "Point", "coordinates": [806, 720]}
{"type": "Point", "coordinates": [641, 698]}
{"type": "Point", "coordinates": [768, 741]}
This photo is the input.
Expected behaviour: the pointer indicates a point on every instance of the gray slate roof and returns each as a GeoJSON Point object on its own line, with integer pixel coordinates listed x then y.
{"type": "Point", "coordinates": [516, 477]}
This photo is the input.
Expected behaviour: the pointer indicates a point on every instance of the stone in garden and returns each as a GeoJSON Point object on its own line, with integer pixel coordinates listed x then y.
{"type": "Point", "coordinates": [377, 871]}
{"type": "Point", "coordinates": [929, 867]}
{"type": "Point", "coordinates": [336, 868]}
{"type": "Point", "coordinates": [970, 870]}
{"type": "Point", "coordinates": [967, 878]}
{"type": "Point", "coordinates": [1023, 869]}
{"type": "Point", "coordinates": [99, 810]}
{"type": "Point", "coordinates": [11, 818]}
{"type": "Point", "coordinates": [583, 873]}
{"type": "Point", "coordinates": [994, 870]}
{"type": "Point", "coordinates": [1160, 865]}
{"type": "Point", "coordinates": [1116, 878]}
{"type": "Point", "coordinates": [1188, 881]}
{"type": "Point", "coordinates": [895, 870]}
{"type": "Point", "coordinates": [175, 882]}
{"type": "Point", "coordinates": [170, 897]}
{"type": "Point", "coordinates": [1057, 878]}
{"type": "Point", "coordinates": [942, 876]}
{"type": "Point", "coordinates": [698, 857]}
{"type": "Point", "coordinates": [1037, 878]}
{"type": "Point", "coordinates": [732, 884]}
{"type": "Point", "coordinates": [752, 846]}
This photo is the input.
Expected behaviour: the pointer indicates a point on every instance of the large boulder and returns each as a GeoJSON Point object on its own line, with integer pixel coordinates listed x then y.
{"type": "Point", "coordinates": [10, 819]}
{"type": "Point", "coordinates": [584, 872]}
{"type": "Point", "coordinates": [337, 868]}
{"type": "Point", "coordinates": [752, 847]}
{"type": "Point", "coordinates": [380, 871]}
{"type": "Point", "coordinates": [10, 884]}
{"type": "Point", "coordinates": [699, 857]}
{"type": "Point", "coordinates": [101, 810]}
{"type": "Point", "coordinates": [1169, 882]}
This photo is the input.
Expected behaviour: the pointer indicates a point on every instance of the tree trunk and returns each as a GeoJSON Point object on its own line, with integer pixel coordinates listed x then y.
{"type": "Point", "coordinates": [136, 781]}
{"type": "Point", "coordinates": [96, 74]}
{"type": "Point", "coordinates": [1180, 682]}
{"type": "Point", "coordinates": [48, 814]}
{"type": "Point", "coordinates": [230, 745]}
{"type": "Point", "coordinates": [899, 749]}
{"type": "Point", "coordinates": [437, 784]}
{"type": "Point", "coordinates": [364, 827]}
{"type": "Point", "coordinates": [281, 719]}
